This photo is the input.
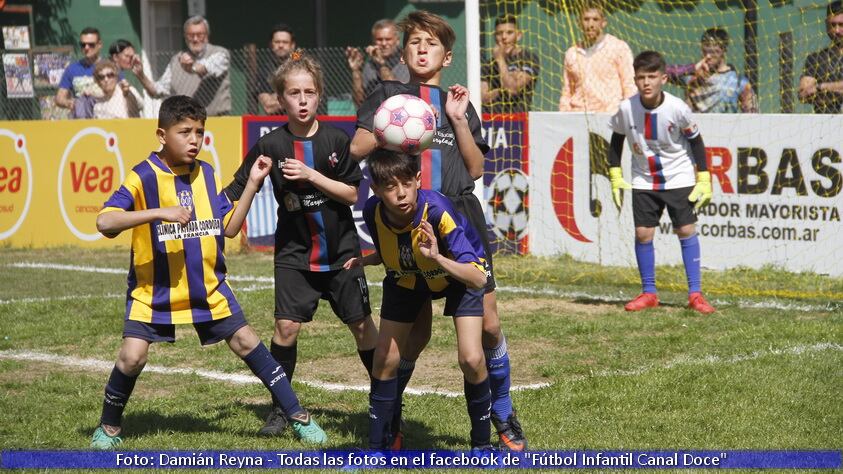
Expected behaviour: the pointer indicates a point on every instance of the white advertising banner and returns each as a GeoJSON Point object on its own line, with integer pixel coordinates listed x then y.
{"type": "Point", "coordinates": [777, 198]}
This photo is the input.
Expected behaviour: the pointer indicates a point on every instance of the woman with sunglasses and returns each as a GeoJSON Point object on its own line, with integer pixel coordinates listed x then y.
{"type": "Point", "coordinates": [119, 99]}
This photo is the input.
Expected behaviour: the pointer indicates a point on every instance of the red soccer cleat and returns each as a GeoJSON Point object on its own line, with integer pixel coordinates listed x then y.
{"type": "Point", "coordinates": [697, 302]}
{"type": "Point", "coordinates": [642, 301]}
{"type": "Point", "coordinates": [397, 443]}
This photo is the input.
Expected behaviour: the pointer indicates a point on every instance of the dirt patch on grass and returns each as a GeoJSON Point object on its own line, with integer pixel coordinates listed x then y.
{"type": "Point", "coordinates": [521, 305]}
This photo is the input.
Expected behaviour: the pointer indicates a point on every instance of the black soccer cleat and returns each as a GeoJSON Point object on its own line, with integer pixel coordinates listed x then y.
{"type": "Point", "coordinates": [510, 433]}
{"type": "Point", "coordinates": [275, 423]}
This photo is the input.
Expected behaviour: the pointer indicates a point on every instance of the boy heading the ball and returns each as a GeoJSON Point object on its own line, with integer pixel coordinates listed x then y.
{"type": "Point", "coordinates": [450, 167]}
{"type": "Point", "coordinates": [666, 145]}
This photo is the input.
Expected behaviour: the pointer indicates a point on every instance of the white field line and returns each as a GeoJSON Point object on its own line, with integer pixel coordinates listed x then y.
{"type": "Point", "coordinates": [14, 301]}
{"type": "Point", "coordinates": [241, 378]}
{"type": "Point", "coordinates": [234, 378]}
{"type": "Point", "coordinates": [619, 298]}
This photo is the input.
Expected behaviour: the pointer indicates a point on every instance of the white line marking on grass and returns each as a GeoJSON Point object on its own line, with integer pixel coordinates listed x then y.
{"type": "Point", "coordinates": [118, 271]}
{"type": "Point", "coordinates": [728, 360]}
{"type": "Point", "coordinates": [546, 291]}
{"type": "Point", "coordinates": [58, 298]}
{"type": "Point", "coordinates": [235, 378]}
{"type": "Point", "coordinates": [52, 299]}
{"type": "Point", "coordinates": [242, 379]}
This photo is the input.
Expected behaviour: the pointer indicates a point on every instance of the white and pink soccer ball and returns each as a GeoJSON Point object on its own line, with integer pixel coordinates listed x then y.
{"type": "Point", "coordinates": [404, 123]}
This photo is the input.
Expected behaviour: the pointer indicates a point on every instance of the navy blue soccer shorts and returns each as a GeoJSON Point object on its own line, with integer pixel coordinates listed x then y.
{"type": "Point", "coordinates": [403, 305]}
{"type": "Point", "coordinates": [209, 332]}
{"type": "Point", "coordinates": [469, 206]}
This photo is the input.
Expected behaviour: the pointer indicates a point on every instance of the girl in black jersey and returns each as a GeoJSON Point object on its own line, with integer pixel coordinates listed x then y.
{"type": "Point", "coordinates": [314, 182]}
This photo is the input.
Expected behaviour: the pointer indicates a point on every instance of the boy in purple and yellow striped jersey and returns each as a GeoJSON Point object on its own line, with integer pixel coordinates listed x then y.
{"type": "Point", "coordinates": [179, 219]}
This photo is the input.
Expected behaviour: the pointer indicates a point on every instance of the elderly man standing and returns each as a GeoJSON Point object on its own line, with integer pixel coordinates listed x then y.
{"type": "Point", "coordinates": [821, 83]}
{"type": "Point", "coordinates": [200, 72]}
{"type": "Point", "coordinates": [598, 69]}
{"type": "Point", "coordinates": [384, 62]}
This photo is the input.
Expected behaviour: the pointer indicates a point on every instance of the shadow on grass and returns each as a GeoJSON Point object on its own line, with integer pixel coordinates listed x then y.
{"type": "Point", "coordinates": [138, 423]}
{"type": "Point", "coordinates": [356, 427]}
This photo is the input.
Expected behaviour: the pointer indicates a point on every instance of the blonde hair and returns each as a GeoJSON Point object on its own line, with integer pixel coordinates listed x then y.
{"type": "Point", "coordinates": [298, 61]}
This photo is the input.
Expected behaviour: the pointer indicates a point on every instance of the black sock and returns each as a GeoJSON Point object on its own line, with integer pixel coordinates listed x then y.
{"type": "Point", "coordinates": [286, 356]}
{"type": "Point", "coordinates": [478, 398]}
{"type": "Point", "coordinates": [117, 392]}
{"type": "Point", "coordinates": [367, 357]}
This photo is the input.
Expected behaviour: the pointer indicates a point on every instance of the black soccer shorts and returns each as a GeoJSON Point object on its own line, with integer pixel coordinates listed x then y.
{"type": "Point", "coordinates": [297, 294]}
{"type": "Point", "coordinates": [648, 206]}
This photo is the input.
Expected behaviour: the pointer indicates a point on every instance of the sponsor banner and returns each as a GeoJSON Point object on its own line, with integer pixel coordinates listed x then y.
{"type": "Point", "coordinates": [263, 218]}
{"type": "Point", "coordinates": [427, 459]}
{"type": "Point", "coordinates": [505, 183]}
{"type": "Point", "coordinates": [55, 176]}
{"type": "Point", "coordinates": [777, 183]}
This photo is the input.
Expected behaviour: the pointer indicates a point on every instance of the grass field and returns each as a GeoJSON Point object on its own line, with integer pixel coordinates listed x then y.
{"type": "Point", "coordinates": [764, 372]}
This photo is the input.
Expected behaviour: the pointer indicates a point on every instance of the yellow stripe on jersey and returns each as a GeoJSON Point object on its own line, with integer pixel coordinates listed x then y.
{"type": "Point", "coordinates": [178, 272]}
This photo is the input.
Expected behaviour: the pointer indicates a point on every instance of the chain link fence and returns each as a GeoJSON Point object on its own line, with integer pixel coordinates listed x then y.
{"type": "Point", "coordinates": [247, 68]}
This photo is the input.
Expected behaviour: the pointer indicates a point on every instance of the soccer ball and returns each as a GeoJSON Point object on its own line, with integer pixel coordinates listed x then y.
{"type": "Point", "coordinates": [404, 123]}
{"type": "Point", "coordinates": [507, 205]}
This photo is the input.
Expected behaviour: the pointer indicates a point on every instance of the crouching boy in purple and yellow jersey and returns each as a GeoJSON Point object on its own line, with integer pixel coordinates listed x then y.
{"type": "Point", "coordinates": [179, 219]}
{"type": "Point", "coordinates": [430, 252]}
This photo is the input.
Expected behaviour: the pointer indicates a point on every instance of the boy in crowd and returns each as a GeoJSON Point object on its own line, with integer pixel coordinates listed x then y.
{"type": "Point", "coordinates": [665, 145]}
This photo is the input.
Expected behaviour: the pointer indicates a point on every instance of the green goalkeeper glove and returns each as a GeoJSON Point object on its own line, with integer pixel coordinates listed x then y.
{"type": "Point", "coordinates": [618, 183]}
{"type": "Point", "coordinates": [702, 190]}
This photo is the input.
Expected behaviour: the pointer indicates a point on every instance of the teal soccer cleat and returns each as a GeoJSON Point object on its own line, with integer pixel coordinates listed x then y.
{"type": "Point", "coordinates": [102, 441]}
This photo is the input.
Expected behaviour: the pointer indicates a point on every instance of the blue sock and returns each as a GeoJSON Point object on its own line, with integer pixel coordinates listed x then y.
{"type": "Point", "coordinates": [478, 399]}
{"type": "Point", "coordinates": [262, 364]}
{"type": "Point", "coordinates": [645, 253]}
{"type": "Point", "coordinates": [382, 398]}
{"type": "Point", "coordinates": [405, 371]}
{"type": "Point", "coordinates": [117, 392]}
{"type": "Point", "coordinates": [497, 363]}
{"type": "Point", "coordinates": [691, 258]}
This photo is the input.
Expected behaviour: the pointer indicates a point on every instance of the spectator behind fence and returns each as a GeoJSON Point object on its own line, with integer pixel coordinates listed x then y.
{"type": "Point", "coordinates": [712, 84]}
{"type": "Point", "coordinates": [200, 72]}
{"type": "Point", "coordinates": [123, 54]}
{"type": "Point", "coordinates": [383, 64]}
{"type": "Point", "coordinates": [598, 69]}
{"type": "Point", "coordinates": [119, 99]}
{"type": "Point", "coordinates": [282, 42]}
{"type": "Point", "coordinates": [821, 83]}
{"type": "Point", "coordinates": [509, 77]}
{"type": "Point", "coordinates": [78, 79]}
